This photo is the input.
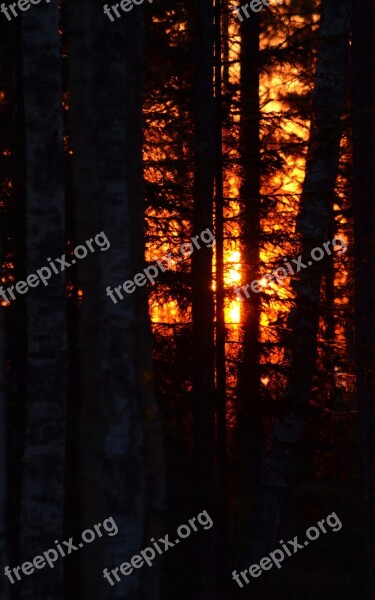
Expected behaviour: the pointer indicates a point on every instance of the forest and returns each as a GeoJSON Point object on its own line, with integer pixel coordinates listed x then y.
{"type": "Point", "coordinates": [187, 300]}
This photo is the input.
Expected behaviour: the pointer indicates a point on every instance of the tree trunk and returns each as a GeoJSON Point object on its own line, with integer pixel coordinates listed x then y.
{"type": "Point", "coordinates": [153, 455]}
{"type": "Point", "coordinates": [42, 503]}
{"type": "Point", "coordinates": [119, 413]}
{"type": "Point", "coordinates": [202, 295]}
{"type": "Point", "coordinates": [363, 94]}
{"type": "Point", "coordinates": [132, 446]}
{"type": "Point", "coordinates": [13, 225]}
{"type": "Point", "coordinates": [88, 449]}
{"type": "Point", "coordinates": [248, 417]}
{"type": "Point", "coordinates": [220, 363]}
{"type": "Point", "coordinates": [4, 588]}
{"type": "Point", "coordinates": [280, 460]}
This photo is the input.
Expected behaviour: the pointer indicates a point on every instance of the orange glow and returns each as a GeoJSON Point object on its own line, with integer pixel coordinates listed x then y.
{"type": "Point", "coordinates": [281, 191]}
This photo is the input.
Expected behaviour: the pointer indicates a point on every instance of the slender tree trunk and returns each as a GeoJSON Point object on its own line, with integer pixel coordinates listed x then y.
{"type": "Point", "coordinates": [281, 456]}
{"type": "Point", "coordinates": [7, 112]}
{"type": "Point", "coordinates": [42, 502]}
{"type": "Point", "coordinates": [153, 455]}
{"type": "Point", "coordinates": [225, 35]}
{"type": "Point", "coordinates": [4, 588]}
{"type": "Point", "coordinates": [364, 215]}
{"type": "Point", "coordinates": [248, 417]}
{"type": "Point", "coordinates": [202, 295]}
{"type": "Point", "coordinates": [89, 461]}
{"type": "Point", "coordinates": [329, 353]}
{"type": "Point", "coordinates": [13, 225]}
{"type": "Point", "coordinates": [123, 449]}
{"type": "Point", "coordinates": [220, 364]}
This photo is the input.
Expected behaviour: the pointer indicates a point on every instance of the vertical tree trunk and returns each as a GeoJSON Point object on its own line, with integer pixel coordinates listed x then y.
{"type": "Point", "coordinates": [220, 363]}
{"type": "Point", "coordinates": [123, 457]}
{"type": "Point", "coordinates": [154, 501]}
{"type": "Point", "coordinates": [279, 464]}
{"type": "Point", "coordinates": [132, 445]}
{"type": "Point", "coordinates": [225, 34]}
{"type": "Point", "coordinates": [202, 295]}
{"type": "Point", "coordinates": [13, 234]}
{"type": "Point", "coordinates": [364, 215]}
{"type": "Point", "coordinates": [248, 417]}
{"type": "Point", "coordinates": [3, 438]}
{"type": "Point", "coordinates": [44, 457]}
{"type": "Point", "coordinates": [89, 447]}
{"type": "Point", "coordinates": [7, 111]}
{"type": "Point", "coordinates": [120, 419]}
{"type": "Point", "coordinates": [329, 354]}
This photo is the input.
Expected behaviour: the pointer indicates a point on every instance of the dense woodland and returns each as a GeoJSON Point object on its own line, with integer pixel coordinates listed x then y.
{"type": "Point", "coordinates": [176, 118]}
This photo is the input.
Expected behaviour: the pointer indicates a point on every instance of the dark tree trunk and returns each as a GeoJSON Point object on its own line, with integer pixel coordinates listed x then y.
{"type": "Point", "coordinates": [154, 501]}
{"type": "Point", "coordinates": [363, 96]}
{"type": "Point", "coordinates": [42, 502]}
{"type": "Point", "coordinates": [249, 425]}
{"type": "Point", "coordinates": [123, 446]}
{"type": "Point", "coordinates": [202, 295]}
{"type": "Point", "coordinates": [88, 402]}
{"type": "Point", "coordinates": [132, 445]}
{"type": "Point", "coordinates": [121, 430]}
{"type": "Point", "coordinates": [281, 456]}
{"type": "Point", "coordinates": [220, 362]}
{"type": "Point", "coordinates": [3, 450]}
{"type": "Point", "coordinates": [11, 340]}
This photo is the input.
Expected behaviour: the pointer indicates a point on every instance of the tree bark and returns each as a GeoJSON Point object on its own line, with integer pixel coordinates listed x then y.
{"type": "Point", "coordinates": [42, 502]}
{"type": "Point", "coordinates": [89, 401]}
{"type": "Point", "coordinates": [363, 99]}
{"type": "Point", "coordinates": [13, 234]}
{"type": "Point", "coordinates": [153, 452]}
{"type": "Point", "coordinates": [4, 588]}
{"type": "Point", "coordinates": [248, 418]}
{"type": "Point", "coordinates": [121, 430]}
{"type": "Point", "coordinates": [132, 441]}
{"type": "Point", "coordinates": [281, 456]}
{"type": "Point", "coordinates": [202, 295]}
{"type": "Point", "coordinates": [220, 339]}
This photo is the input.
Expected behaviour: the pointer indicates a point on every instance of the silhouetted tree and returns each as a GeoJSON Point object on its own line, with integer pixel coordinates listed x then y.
{"type": "Point", "coordinates": [43, 482]}
{"type": "Point", "coordinates": [281, 455]}
{"type": "Point", "coordinates": [88, 450]}
{"type": "Point", "coordinates": [203, 378]}
{"type": "Point", "coordinates": [249, 425]}
{"type": "Point", "coordinates": [363, 97]}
